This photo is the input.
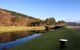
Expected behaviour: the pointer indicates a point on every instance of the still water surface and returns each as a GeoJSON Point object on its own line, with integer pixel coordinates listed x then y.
{"type": "Point", "coordinates": [18, 41]}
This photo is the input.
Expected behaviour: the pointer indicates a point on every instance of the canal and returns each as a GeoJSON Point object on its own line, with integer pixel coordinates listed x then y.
{"type": "Point", "coordinates": [8, 45]}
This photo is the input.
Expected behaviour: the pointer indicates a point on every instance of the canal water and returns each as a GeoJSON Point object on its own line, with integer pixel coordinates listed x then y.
{"type": "Point", "coordinates": [17, 42]}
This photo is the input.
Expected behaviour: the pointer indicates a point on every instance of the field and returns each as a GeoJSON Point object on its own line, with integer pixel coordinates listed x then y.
{"type": "Point", "coordinates": [19, 28]}
{"type": "Point", "coordinates": [50, 41]}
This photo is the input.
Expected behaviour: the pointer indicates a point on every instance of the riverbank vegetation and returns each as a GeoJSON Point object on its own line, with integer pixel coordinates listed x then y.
{"type": "Point", "coordinates": [50, 41]}
{"type": "Point", "coordinates": [19, 28]}
{"type": "Point", "coordinates": [11, 33]}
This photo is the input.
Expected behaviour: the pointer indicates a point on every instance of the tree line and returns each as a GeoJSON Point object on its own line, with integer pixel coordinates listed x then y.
{"type": "Point", "coordinates": [48, 21]}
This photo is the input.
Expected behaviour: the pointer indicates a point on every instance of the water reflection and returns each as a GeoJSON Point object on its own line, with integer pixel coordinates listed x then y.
{"type": "Point", "coordinates": [18, 41]}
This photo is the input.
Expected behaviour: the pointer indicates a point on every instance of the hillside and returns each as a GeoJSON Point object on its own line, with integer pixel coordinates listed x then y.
{"type": "Point", "coordinates": [9, 18]}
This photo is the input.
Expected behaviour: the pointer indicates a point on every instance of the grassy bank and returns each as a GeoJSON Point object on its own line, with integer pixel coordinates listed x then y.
{"type": "Point", "coordinates": [50, 41]}
{"type": "Point", "coordinates": [4, 29]}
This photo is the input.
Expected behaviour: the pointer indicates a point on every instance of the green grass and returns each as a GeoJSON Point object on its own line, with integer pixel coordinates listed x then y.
{"type": "Point", "coordinates": [50, 41]}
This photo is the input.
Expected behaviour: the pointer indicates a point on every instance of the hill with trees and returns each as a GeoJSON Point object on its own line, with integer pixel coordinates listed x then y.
{"type": "Point", "coordinates": [9, 18]}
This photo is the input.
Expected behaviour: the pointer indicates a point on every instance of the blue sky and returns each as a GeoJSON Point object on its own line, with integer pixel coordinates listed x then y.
{"type": "Point", "coordinates": [67, 10]}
